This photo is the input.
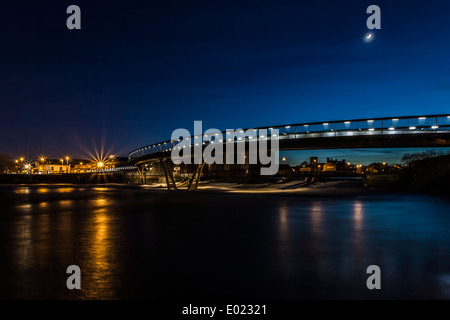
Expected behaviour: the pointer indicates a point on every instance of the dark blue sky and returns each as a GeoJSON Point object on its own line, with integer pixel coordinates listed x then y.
{"type": "Point", "coordinates": [138, 70]}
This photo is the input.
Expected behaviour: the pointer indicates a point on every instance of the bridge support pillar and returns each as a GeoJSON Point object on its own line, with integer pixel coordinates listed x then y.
{"type": "Point", "coordinates": [141, 175]}
{"type": "Point", "coordinates": [193, 182]}
{"type": "Point", "coordinates": [168, 174]}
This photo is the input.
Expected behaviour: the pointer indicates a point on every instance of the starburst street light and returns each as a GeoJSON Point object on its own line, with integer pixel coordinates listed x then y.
{"type": "Point", "coordinates": [100, 164]}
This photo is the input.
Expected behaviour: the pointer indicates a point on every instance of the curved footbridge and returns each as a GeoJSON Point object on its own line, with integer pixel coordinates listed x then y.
{"type": "Point", "coordinates": [387, 132]}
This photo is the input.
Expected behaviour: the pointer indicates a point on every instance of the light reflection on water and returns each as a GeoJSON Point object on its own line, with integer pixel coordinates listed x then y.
{"type": "Point", "coordinates": [358, 235]}
{"type": "Point", "coordinates": [316, 220]}
{"type": "Point", "coordinates": [65, 203]}
{"type": "Point", "coordinates": [99, 255]}
{"type": "Point", "coordinates": [65, 190]}
{"type": "Point", "coordinates": [21, 190]}
{"type": "Point", "coordinates": [132, 243]}
{"type": "Point", "coordinates": [23, 245]}
{"type": "Point", "coordinates": [42, 190]}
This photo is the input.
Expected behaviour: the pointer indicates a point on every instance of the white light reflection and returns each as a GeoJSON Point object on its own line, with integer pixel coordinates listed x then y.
{"type": "Point", "coordinates": [316, 217]}
{"type": "Point", "coordinates": [358, 216]}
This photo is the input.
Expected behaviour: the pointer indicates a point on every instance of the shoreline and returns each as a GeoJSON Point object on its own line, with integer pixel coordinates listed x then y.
{"type": "Point", "coordinates": [328, 189]}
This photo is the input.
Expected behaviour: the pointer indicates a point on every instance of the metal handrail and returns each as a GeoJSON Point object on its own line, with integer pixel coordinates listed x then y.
{"type": "Point", "coordinates": [436, 126]}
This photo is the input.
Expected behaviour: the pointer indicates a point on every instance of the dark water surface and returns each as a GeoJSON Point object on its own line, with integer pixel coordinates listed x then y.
{"type": "Point", "coordinates": [132, 243]}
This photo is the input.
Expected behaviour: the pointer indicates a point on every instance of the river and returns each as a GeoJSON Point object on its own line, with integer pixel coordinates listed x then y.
{"type": "Point", "coordinates": [134, 243]}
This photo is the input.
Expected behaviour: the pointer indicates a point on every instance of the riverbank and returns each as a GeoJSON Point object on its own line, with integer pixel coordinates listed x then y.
{"type": "Point", "coordinates": [427, 176]}
{"type": "Point", "coordinates": [76, 178]}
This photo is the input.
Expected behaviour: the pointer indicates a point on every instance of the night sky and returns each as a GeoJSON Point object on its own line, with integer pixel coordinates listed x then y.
{"type": "Point", "coordinates": [138, 70]}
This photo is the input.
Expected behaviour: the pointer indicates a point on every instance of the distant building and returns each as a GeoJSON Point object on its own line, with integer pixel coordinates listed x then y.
{"type": "Point", "coordinates": [51, 166]}
{"type": "Point", "coordinates": [329, 166]}
{"type": "Point", "coordinates": [284, 170]}
{"type": "Point", "coordinates": [81, 166]}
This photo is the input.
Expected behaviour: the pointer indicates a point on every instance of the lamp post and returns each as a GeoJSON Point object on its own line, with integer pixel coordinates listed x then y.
{"type": "Point", "coordinates": [43, 164]}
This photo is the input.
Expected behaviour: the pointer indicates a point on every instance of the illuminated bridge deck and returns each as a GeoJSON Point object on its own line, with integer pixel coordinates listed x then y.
{"type": "Point", "coordinates": [392, 132]}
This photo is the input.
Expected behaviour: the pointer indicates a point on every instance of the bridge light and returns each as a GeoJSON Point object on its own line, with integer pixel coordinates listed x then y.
{"type": "Point", "coordinates": [391, 128]}
{"type": "Point", "coordinates": [325, 123]}
{"type": "Point", "coordinates": [288, 127]}
{"type": "Point", "coordinates": [395, 119]}
{"type": "Point", "coordinates": [434, 127]}
{"type": "Point", "coordinates": [306, 125]}
{"type": "Point", "coordinates": [371, 129]}
{"type": "Point", "coordinates": [347, 122]}
{"type": "Point", "coordinates": [369, 120]}
{"type": "Point", "coordinates": [422, 118]}
{"type": "Point", "coordinates": [412, 128]}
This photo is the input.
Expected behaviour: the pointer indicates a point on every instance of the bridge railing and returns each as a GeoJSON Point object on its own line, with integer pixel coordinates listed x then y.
{"type": "Point", "coordinates": [344, 128]}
